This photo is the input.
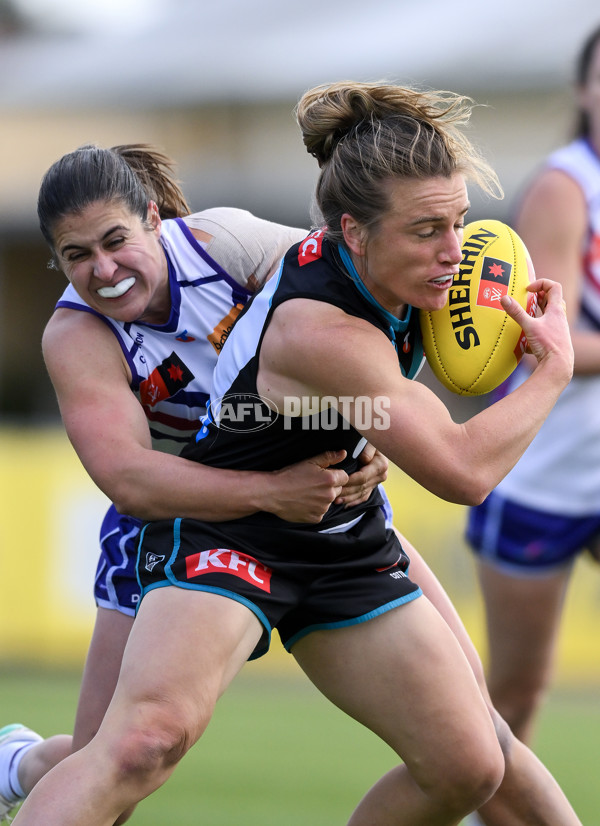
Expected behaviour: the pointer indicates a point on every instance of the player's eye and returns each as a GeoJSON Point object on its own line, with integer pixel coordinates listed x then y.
{"type": "Point", "coordinates": [114, 243]}
{"type": "Point", "coordinates": [74, 257]}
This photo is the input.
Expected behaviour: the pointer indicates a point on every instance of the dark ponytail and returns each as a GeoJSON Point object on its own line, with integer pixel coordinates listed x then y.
{"type": "Point", "coordinates": [132, 174]}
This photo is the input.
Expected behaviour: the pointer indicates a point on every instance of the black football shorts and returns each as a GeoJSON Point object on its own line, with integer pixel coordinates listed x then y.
{"type": "Point", "coordinates": [293, 578]}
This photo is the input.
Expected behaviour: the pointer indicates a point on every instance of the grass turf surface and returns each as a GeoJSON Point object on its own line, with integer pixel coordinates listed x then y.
{"type": "Point", "coordinates": [277, 752]}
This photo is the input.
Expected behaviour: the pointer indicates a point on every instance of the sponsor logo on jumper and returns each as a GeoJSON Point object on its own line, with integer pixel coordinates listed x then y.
{"type": "Point", "coordinates": [226, 561]}
{"type": "Point", "coordinates": [310, 248]}
{"type": "Point", "coordinates": [152, 560]}
{"type": "Point", "coordinates": [220, 334]}
{"type": "Point", "coordinates": [165, 380]}
{"type": "Point", "coordinates": [185, 337]}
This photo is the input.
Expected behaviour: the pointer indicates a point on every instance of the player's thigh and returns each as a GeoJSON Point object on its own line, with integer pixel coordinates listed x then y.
{"type": "Point", "coordinates": [111, 631]}
{"type": "Point", "coordinates": [184, 649]}
{"type": "Point", "coordinates": [523, 619]}
{"type": "Point", "coordinates": [404, 676]}
{"type": "Point", "coordinates": [421, 573]}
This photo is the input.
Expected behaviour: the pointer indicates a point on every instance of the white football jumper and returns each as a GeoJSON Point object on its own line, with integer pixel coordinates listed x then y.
{"type": "Point", "coordinates": [560, 471]}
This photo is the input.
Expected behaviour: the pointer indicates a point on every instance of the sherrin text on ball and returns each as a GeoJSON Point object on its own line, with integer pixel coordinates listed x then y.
{"type": "Point", "coordinates": [472, 345]}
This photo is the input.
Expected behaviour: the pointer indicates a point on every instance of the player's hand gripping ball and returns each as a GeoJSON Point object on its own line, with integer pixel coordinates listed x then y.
{"type": "Point", "coordinates": [472, 345]}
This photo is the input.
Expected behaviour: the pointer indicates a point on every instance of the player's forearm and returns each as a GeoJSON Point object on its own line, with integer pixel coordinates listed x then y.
{"type": "Point", "coordinates": [165, 487]}
{"type": "Point", "coordinates": [506, 429]}
{"type": "Point", "coordinates": [463, 463]}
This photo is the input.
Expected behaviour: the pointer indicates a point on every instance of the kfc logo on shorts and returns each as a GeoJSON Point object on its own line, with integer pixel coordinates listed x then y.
{"type": "Point", "coordinates": [226, 561]}
{"type": "Point", "coordinates": [310, 248]}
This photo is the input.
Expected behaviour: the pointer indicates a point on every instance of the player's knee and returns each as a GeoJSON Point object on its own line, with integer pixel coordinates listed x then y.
{"type": "Point", "coordinates": [468, 780]}
{"type": "Point", "coordinates": [467, 789]}
{"type": "Point", "coordinates": [147, 751]}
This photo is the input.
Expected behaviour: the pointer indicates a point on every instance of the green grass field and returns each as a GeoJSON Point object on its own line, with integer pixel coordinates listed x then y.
{"type": "Point", "coordinates": [277, 753]}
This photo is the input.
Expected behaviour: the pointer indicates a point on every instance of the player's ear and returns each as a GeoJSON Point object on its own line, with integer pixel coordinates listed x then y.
{"type": "Point", "coordinates": [153, 216]}
{"type": "Point", "coordinates": [355, 235]}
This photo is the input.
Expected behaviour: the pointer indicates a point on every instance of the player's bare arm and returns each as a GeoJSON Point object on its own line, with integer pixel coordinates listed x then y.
{"type": "Point", "coordinates": [109, 431]}
{"type": "Point", "coordinates": [553, 222]}
{"type": "Point", "coordinates": [459, 462]}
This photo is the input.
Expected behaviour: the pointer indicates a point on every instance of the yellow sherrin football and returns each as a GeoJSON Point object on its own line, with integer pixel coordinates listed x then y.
{"type": "Point", "coordinates": [471, 344]}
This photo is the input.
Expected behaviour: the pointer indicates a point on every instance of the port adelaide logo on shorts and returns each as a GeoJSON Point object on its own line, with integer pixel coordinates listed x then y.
{"type": "Point", "coordinates": [152, 560]}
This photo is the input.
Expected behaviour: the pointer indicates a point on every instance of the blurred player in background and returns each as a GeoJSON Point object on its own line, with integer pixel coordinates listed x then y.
{"type": "Point", "coordinates": [530, 530]}
{"type": "Point", "coordinates": [472, 770]}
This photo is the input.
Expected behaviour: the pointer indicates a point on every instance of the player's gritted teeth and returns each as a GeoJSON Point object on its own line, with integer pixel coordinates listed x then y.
{"type": "Point", "coordinates": [117, 290]}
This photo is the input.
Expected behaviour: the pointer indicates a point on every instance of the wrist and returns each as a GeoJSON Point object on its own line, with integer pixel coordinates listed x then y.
{"type": "Point", "coordinates": [557, 367]}
{"type": "Point", "coordinates": [262, 490]}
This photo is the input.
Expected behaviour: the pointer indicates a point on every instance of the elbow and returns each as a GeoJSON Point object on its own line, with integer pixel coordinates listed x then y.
{"type": "Point", "coordinates": [136, 509]}
{"type": "Point", "coordinates": [128, 502]}
{"type": "Point", "coordinates": [122, 507]}
{"type": "Point", "coordinates": [476, 497]}
{"type": "Point", "coordinates": [471, 489]}
{"type": "Point", "coordinates": [126, 506]}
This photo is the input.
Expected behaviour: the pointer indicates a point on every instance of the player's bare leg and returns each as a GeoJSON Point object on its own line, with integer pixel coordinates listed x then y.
{"type": "Point", "coordinates": [100, 676]}
{"type": "Point", "coordinates": [528, 794]}
{"type": "Point", "coordinates": [404, 676]}
{"type": "Point", "coordinates": [184, 649]}
{"type": "Point", "coordinates": [521, 642]}
{"type": "Point", "coordinates": [24, 758]}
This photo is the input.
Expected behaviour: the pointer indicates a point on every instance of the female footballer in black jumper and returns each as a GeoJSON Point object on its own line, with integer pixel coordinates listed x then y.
{"type": "Point", "coordinates": [335, 328]}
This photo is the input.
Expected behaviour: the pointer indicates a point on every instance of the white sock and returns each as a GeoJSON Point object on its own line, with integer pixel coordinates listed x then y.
{"type": "Point", "coordinates": [10, 756]}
